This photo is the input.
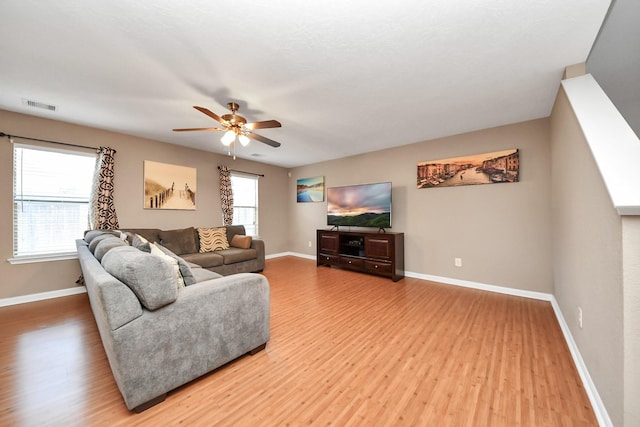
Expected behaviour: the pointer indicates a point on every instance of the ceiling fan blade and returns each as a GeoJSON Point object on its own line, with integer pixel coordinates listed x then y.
{"type": "Point", "coordinates": [209, 113]}
{"type": "Point", "coordinates": [260, 138]}
{"type": "Point", "coordinates": [190, 129]}
{"type": "Point", "coordinates": [263, 125]}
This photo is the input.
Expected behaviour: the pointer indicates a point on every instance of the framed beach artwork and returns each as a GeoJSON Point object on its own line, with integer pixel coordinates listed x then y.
{"type": "Point", "coordinates": [169, 186]}
{"type": "Point", "coordinates": [487, 168]}
{"type": "Point", "coordinates": [310, 189]}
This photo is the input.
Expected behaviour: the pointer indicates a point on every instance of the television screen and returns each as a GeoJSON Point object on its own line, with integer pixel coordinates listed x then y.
{"type": "Point", "coordinates": [367, 205]}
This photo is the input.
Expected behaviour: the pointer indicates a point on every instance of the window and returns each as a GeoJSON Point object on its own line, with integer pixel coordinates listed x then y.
{"type": "Point", "coordinates": [245, 202]}
{"type": "Point", "coordinates": [51, 191]}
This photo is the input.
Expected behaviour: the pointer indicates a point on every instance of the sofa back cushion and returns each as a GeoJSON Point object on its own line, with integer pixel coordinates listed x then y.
{"type": "Point", "coordinates": [183, 266]}
{"type": "Point", "coordinates": [151, 278]}
{"type": "Point", "coordinates": [150, 234]}
{"type": "Point", "coordinates": [105, 245]}
{"type": "Point", "coordinates": [179, 242]}
{"type": "Point", "coordinates": [89, 235]}
{"type": "Point", "coordinates": [232, 230]}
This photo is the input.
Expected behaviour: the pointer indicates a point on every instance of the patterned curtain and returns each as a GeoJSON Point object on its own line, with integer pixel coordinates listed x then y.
{"type": "Point", "coordinates": [102, 212]}
{"type": "Point", "coordinates": [226, 195]}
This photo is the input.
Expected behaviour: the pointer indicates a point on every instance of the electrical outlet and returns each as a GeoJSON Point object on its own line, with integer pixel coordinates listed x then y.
{"type": "Point", "coordinates": [580, 317]}
{"type": "Point", "coordinates": [457, 262]}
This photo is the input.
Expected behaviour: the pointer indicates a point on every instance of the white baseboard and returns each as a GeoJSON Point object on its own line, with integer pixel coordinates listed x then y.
{"type": "Point", "coordinates": [23, 299]}
{"type": "Point", "coordinates": [482, 286]}
{"type": "Point", "coordinates": [594, 397]}
{"type": "Point", "coordinates": [295, 254]}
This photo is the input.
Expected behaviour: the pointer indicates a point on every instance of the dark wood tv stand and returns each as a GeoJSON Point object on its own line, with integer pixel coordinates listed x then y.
{"type": "Point", "coordinates": [380, 253]}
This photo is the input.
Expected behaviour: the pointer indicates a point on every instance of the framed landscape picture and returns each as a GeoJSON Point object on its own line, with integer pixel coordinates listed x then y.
{"type": "Point", "coordinates": [169, 186]}
{"type": "Point", "coordinates": [310, 189]}
{"type": "Point", "coordinates": [486, 168]}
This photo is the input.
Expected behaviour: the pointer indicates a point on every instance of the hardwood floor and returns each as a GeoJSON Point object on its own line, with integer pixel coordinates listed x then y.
{"type": "Point", "coordinates": [345, 349]}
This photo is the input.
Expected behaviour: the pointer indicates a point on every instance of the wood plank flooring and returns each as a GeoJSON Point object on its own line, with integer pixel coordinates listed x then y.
{"type": "Point", "coordinates": [346, 349]}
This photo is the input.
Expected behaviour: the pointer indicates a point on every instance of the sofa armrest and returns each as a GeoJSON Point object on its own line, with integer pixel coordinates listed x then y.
{"type": "Point", "coordinates": [258, 245]}
{"type": "Point", "coordinates": [210, 324]}
{"type": "Point", "coordinates": [113, 303]}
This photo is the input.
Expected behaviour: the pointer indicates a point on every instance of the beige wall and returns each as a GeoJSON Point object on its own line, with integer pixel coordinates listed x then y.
{"type": "Point", "coordinates": [631, 280]}
{"type": "Point", "coordinates": [501, 231]}
{"type": "Point", "coordinates": [131, 152]}
{"type": "Point", "coordinates": [587, 253]}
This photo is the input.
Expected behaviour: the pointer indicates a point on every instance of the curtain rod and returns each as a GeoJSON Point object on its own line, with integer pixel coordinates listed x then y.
{"type": "Point", "coordinates": [248, 173]}
{"type": "Point", "coordinates": [46, 140]}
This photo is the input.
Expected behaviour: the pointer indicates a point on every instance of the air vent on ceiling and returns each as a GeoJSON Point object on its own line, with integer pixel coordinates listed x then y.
{"type": "Point", "coordinates": [37, 104]}
{"type": "Point", "coordinates": [256, 155]}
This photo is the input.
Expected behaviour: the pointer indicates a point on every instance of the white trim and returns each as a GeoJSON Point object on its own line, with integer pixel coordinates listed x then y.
{"type": "Point", "coordinates": [28, 259]}
{"type": "Point", "coordinates": [596, 402]}
{"type": "Point", "coordinates": [482, 286]}
{"type": "Point", "coordinates": [614, 145]}
{"type": "Point", "coordinates": [5, 302]}
{"type": "Point", "coordinates": [295, 254]}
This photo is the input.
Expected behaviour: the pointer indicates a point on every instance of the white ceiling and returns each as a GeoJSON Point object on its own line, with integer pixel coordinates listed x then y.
{"type": "Point", "coordinates": [343, 77]}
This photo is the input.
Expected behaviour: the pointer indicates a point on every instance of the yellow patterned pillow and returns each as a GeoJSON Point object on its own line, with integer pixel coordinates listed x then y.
{"type": "Point", "coordinates": [213, 239]}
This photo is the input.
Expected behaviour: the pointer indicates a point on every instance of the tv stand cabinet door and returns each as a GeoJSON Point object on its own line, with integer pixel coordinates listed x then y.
{"type": "Point", "coordinates": [379, 247]}
{"type": "Point", "coordinates": [328, 242]}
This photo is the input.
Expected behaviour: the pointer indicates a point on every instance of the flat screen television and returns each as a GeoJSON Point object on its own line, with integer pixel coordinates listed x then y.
{"type": "Point", "coordinates": [366, 205]}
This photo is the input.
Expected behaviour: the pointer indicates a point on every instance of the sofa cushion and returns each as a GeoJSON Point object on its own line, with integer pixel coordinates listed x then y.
{"type": "Point", "coordinates": [232, 230]}
{"type": "Point", "coordinates": [240, 241]}
{"type": "Point", "coordinates": [150, 277]}
{"type": "Point", "coordinates": [183, 266]}
{"type": "Point", "coordinates": [140, 243]}
{"type": "Point", "coordinates": [179, 242]}
{"type": "Point", "coordinates": [155, 250]}
{"type": "Point", "coordinates": [213, 239]}
{"type": "Point", "coordinates": [233, 255]}
{"type": "Point", "coordinates": [92, 234]}
{"type": "Point", "coordinates": [105, 245]}
{"type": "Point", "coordinates": [202, 274]}
{"type": "Point", "coordinates": [97, 239]}
{"type": "Point", "coordinates": [205, 260]}
{"type": "Point", "coordinates": [151, 234]}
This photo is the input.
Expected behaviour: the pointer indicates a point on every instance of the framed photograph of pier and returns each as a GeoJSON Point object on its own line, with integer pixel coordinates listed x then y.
{"type": "Point", "coordinates": [487, 168]}
{"type": "Point", "coordinates": [169, 186]}
{"type": "Point", "coordinates": [310, 189]}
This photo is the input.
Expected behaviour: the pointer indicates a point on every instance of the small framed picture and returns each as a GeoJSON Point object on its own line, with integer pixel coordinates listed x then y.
{"type": "Point", "coordinates": [310, 189]}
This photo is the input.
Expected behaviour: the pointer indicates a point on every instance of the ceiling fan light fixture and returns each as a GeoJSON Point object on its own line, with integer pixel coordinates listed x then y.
{"type": "Point", "coordinates": [244, 140]}
{"type": "Point", "coordinates": [236, 126]}
{"type": "Point", "coordinates": [228, 137]}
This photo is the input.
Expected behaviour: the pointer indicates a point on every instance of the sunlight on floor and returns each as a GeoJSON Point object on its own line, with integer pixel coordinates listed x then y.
{"type": "Point", "coordinates": [51, 375]}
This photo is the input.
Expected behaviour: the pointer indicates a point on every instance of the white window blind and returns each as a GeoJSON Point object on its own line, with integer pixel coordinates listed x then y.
{"type": "Point", "coordinates": [245, 202]}
{"type": "Point", "coordinates": [51, 190]}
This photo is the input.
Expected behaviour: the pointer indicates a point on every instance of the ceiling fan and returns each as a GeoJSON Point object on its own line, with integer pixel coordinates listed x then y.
{"type": "Point", "coordinates": [236, 126]}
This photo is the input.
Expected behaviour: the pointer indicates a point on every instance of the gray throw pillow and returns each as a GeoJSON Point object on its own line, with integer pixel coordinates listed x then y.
{"type": "Point", "coordinates": [105, 245]}
{"type": "Point", "coordinates": [97, 239]}
{"type": "Point", "coordinates": [140, 243]}
{"type": "Point", "coordinates": [185, 269]}
{"type": "Point", "coordinates": [92, 234]}
{"type": "Point", "coordinates": [151, 278]}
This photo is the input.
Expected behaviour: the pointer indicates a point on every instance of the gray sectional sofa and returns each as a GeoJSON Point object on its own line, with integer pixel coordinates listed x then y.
{"type": "Point", "coordinates": [163, 321]}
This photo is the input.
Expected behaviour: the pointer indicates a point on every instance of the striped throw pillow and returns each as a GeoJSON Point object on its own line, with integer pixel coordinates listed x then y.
{"type": "Point", "coordinates": [213, 239]}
